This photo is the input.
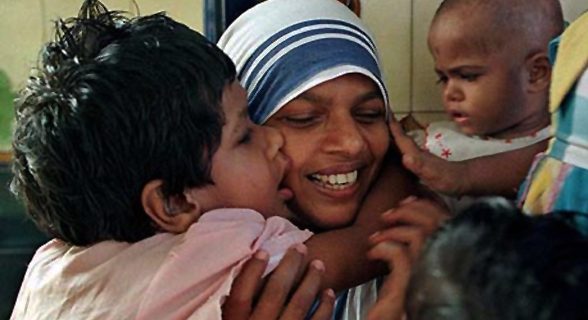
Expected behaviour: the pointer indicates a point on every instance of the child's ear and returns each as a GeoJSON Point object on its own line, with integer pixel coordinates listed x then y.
{"type": "Point", "coordinates": [173, 214]}
{"type": "Point", "coordinates": [539, 72]}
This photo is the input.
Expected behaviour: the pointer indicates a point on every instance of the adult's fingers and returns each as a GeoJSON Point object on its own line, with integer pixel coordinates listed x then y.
{"type": "Point", "coordinates": [280, 282]}
{"type": "Point", "coordinates": [245, 288]}
{"type": "Point", "coordinates": [306, 293]}
{"type": "Point", "coordinates": [411, 237]}
{"type": "Point", "coordinates": [408, 148]}
{"type": "Point", "coordinates": [424, 213]}
{"type": "Point", "coordinates": [391, 297]}
{"type": "Point", "coordinates": [325, 308]}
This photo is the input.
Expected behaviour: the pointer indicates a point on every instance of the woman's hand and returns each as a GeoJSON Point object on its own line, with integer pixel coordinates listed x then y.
{"type": "Point", "coordinates": [281, 295]}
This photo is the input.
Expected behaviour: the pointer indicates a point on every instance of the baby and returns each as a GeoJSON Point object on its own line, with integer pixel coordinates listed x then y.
{"type": "Point", "coordinates": [491, 59]}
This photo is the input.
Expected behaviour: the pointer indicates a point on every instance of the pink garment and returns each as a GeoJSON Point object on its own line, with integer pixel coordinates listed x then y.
{"type": "Point", "coordinates": [166, 276]}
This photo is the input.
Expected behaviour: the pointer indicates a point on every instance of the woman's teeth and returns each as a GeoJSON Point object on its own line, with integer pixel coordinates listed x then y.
{"type": "Point", "coordinates": [335, 181]}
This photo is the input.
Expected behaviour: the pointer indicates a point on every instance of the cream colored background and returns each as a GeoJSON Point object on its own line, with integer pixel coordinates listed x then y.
{"type": "Point", "coordinates": [26, 24]}
{"type": "Point", "coordinates": [400, 27]}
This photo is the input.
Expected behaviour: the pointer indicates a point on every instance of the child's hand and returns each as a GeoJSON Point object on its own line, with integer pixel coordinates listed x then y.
{"type": "Point", "coordinates": [283, 296]}
{"type": "Point", "coordinates": [443, 176]}
{"type": "Point", "coordinates": [392, 295]}
{"type": "Point", "coordinates": [411, 223]}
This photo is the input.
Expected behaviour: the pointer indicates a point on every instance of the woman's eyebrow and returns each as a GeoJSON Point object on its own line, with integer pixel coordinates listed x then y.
{"type": "Point", "coordinates": [314, 98]}
{"type": "Point", "coordinates": [375, 94]}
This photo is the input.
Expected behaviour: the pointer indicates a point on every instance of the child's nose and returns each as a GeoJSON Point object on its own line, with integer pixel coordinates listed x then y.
{"type": "Point", "coordinates": [452, 93]}
{"type": "Point", "coordinates": [275, 140]}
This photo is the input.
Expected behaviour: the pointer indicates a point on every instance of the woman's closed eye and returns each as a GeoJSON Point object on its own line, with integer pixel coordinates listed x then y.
{"type": "Point", "coordinates": [300, 120]}
{"type": "Point", "coordinates": [370, 116]}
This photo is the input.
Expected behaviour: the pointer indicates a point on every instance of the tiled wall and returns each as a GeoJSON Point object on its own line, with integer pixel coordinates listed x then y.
{"type": "Point", "coordinates": [400, 28]}
{"type": "Point", "coordinates": [26, 24]}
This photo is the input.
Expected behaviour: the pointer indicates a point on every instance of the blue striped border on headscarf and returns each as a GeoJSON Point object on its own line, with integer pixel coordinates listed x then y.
{"type": "Point", "coordinates": [299, 52]}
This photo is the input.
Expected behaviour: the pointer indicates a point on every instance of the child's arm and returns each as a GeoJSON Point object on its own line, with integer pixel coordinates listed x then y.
{"type": "Point", "coordinates": [344, 250]}
{"type": "Point", "coordinates": [497, 174]}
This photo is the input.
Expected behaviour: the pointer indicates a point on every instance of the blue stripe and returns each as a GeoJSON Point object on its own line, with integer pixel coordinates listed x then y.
{"type": "Point", "coordinates": [293, 39]}
{"type": "Point", "coordinates": [296, 27]}
{"type": "Point", "coordinates": [302, 63]}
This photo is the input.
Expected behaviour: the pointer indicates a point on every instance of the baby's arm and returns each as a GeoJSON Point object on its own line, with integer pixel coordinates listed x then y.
{"type": "Point", "coordinates": [344, 250]}
{"type": "Point", "coordinates": [497, 174]}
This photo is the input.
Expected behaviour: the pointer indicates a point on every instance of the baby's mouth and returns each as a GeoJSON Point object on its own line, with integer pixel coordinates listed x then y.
{"type": "Point", "coordinates": [337, 181]}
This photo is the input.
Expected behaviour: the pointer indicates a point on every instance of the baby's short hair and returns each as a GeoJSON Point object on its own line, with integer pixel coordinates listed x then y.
{"type": "Point", "coordinates": [493, 262]}
{"type": "Point", "coordinates": [114, 103]}
{"type": "Point", "coordinates": [532, 23]}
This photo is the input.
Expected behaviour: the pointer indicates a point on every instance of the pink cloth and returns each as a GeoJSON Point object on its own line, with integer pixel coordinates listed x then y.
{"type": "Point", "coordinates": [166, 276]}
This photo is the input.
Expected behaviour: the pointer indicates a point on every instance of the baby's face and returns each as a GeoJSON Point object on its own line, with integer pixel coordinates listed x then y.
{"type": "Point", "coordinates": [483, 88]}
{"type": "Point", "coordinates": [248, 167]}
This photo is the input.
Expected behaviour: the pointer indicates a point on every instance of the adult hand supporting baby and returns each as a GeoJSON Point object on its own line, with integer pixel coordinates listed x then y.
{"type": "Point", "coordinates": [400, 245]}
{"type": "Point", "coordinates": [411, 223]}
{"type": "Point", "coordinates": [281, 295]}
{"type": "Point", "coordinates": [443, 176]}
{"type": "Point", "coordinates": [392, 294]}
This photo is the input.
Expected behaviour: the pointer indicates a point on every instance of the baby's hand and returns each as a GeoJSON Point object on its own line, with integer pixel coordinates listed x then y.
{"type": "Point", "coordinates": [411, 223]}
{"type": "Point", "coordinates": [443, 176]}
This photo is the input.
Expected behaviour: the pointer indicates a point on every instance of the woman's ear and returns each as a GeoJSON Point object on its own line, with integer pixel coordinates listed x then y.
{"type": "Point", "coordinates": [173, 214]}
{"type": "Point", "coordinates": [539, 72]}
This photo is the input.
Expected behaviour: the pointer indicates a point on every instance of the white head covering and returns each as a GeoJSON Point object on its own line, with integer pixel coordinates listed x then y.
{"type": "Point", "coordinates": [282, 48]}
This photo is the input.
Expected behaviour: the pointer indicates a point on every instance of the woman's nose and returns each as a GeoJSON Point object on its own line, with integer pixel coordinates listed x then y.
{"type": "Point", "coordinates": [344, 137]}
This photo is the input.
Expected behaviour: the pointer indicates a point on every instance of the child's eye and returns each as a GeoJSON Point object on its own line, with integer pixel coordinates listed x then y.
{"type": "Point", "coordinates": [246, 138]}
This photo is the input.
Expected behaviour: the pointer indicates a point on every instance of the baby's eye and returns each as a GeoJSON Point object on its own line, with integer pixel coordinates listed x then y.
{"type": "Point", "coordinates": [469, 76]}
{"type": "Point", "coordinates": [441, 79]}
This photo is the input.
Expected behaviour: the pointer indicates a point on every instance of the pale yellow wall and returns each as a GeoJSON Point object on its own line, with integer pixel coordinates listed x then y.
{"type": "Point", "coordinates": [400, 28]}
{"type": "Point", "coordinates": [26, 24]}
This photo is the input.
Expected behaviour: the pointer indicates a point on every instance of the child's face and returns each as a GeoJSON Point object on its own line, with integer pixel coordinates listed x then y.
{"type": "Point", "coordinates": [483, 92]}
{"type": "Point", "coordinates": [248, 166]}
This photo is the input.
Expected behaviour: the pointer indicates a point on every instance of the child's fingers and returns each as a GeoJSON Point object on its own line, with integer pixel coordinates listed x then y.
{"type": "Point", "coordinates": [325, 308]}
{"type": "Point", "coordinates": [306, 293]}
{"type": "Point", "coordinates": [391, 297]}
{"type": "Point", "coordinates": [245, 288]}
{"type": "Point", "coordinates": [280, 283]}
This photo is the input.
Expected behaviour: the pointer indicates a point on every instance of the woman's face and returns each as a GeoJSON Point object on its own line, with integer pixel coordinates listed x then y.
{"type": "Point", "coordinates": [336, 136]}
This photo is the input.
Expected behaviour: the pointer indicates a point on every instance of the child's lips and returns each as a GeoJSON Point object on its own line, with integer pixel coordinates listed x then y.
{"type": "Point", "coordinates": [458, 117]}
{"type": "Point", "coordinates": [286, 193]}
